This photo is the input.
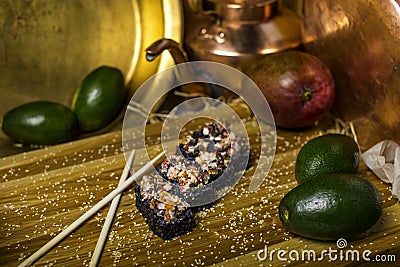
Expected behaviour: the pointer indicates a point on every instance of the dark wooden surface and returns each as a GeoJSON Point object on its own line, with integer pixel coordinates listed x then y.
{"type": "Point", "coordinates": [43, 191]}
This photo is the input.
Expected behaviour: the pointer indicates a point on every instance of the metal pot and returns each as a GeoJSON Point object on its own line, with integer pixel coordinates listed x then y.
{"type": "Point", "coordinates": [238, 32]}
{"type": "Point", "coordinates": [359, 41]}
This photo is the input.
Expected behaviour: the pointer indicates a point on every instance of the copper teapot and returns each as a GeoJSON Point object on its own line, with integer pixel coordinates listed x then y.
{"type": "Point", "coordinates": [238, 32]}
{"type": "Point", "coordinates": [234, 32]}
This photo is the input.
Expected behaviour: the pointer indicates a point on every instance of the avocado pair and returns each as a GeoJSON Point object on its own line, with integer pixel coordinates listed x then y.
{"type": "Point", "coordinates": [96, 102]}
{"type": "Point", "coordinates": [331, 201]}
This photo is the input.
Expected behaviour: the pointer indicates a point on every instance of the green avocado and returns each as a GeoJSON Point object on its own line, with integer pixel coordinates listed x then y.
{"type": "Point", "coordinates": [99, 98]}
{"type": "Point", "coordinates": [40, 123]}
{"type": "Point", "coordinates": [331, 206]}
{"type": "Point", "coordinates": [329, 153]}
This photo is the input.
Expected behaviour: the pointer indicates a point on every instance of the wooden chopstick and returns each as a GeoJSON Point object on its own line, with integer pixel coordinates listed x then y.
{"type": "Point", "coordinates": [43, 250]}
{"type": "Point", "coordinates": [111, 213]}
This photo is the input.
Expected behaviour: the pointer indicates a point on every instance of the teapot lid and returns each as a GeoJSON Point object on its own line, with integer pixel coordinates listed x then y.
{"type": "Point", "coordinates": [236, 10]}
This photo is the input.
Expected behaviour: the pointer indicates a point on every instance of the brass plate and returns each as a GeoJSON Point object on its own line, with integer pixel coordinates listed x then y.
{"type": "Point", "coordinates": [47, 47]}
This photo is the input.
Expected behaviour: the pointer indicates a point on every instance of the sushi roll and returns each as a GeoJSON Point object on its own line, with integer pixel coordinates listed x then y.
{"type": "Point", "coordinates": [185, 175]}
{"type": "Point", "coordinates": [165, 198]}
{"type": "Point", "coordinates": [165, 214]}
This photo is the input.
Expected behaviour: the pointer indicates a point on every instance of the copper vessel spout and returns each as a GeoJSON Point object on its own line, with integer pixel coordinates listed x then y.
{"type": "Point", "coordinates": [179, 56]}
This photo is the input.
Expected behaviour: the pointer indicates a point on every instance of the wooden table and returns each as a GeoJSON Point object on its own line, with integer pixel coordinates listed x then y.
{"type": "Point", "coordinates": [45, 190]}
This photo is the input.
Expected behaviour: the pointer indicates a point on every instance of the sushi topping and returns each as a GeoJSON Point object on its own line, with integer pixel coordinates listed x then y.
{"type": "Point", "coordinates": [155, 190]}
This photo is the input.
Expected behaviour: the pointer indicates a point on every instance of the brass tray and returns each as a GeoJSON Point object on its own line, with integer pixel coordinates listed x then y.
{"type": "Point", "coordinates": [47, 47]}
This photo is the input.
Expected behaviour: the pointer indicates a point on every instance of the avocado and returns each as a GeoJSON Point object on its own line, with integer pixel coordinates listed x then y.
{"type": "Point", "coordinates": [329, 153]}
{"type": "Point", "coordinates": [331, 206]}
{"type": "Point", "coordinates": [99, 98]}
{"type": "Point", "coordinates": [40, 123]}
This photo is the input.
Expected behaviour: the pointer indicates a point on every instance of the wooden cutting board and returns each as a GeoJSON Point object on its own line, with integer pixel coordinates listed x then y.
{"type": "Point", "coordinates": [45, 190]}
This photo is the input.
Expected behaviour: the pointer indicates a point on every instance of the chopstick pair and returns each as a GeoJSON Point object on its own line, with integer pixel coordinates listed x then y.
{"type": "Point", "coordinates": [111, 214]}
{"type": "Point", "coordinates": [104, 233]}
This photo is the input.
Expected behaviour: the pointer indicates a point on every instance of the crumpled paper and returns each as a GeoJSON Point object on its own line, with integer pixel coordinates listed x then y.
{"type": "Point", "coordinates": [384, 160]}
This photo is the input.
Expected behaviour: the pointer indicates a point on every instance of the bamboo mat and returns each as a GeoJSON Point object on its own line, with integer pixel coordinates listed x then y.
{"type": "Point", "coordinates": [43, 191]}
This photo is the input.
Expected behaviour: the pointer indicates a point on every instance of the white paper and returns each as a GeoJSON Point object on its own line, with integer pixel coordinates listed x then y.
{"type": "Point", "coordinates": [384, 160]}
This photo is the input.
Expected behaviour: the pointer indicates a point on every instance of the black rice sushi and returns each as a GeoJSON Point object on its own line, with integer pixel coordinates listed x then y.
{"type": "Point", "coordinates": [165, 214]}
{"type": "Point", "coordinates": [165, 197]}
